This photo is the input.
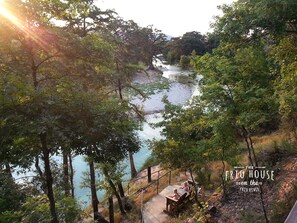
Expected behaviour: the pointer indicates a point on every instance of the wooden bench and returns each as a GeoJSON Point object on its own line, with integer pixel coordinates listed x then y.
{"type": "Point", "coordinates": [175, 206]}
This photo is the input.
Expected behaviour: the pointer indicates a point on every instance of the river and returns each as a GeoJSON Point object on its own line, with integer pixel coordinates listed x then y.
{"type": "Point", "coordinates": [177, 93]}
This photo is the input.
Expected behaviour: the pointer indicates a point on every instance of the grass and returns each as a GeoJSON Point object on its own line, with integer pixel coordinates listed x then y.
{"type": "Point", "coordinates": [265, 144]}
{"type": "Point", "coordinates": [268, 142]}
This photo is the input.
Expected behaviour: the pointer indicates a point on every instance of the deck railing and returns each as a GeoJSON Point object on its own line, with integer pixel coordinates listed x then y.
{"type": "Point", "coordinates": [153, 178]}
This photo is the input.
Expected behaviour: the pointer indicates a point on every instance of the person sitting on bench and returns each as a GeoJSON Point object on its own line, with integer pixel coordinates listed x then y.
{"type": "Point", "coordinates": [175, 195]}
{"type": "Point", "coordinates": [186, 187]}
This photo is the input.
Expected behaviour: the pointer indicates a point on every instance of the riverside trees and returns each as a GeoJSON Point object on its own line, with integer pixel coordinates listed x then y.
{"type": "Point", "coordinates": [248, 85]}
{"type": "Point", "coordinates": [185, 45]}
{"type": "Point", "coordinates": [56, 97]}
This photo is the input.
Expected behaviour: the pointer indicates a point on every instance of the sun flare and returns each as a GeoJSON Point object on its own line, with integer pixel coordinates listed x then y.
{"type": "Point", "coordinates": [7, 14]}
{"type": "Point", "coordinates": [19, 24]}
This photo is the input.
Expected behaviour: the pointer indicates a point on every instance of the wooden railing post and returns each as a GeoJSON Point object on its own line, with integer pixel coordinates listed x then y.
{"type": "Point", "coordinates": [158, 182]}
{"type": "Point", "coordinates": [149, 174]}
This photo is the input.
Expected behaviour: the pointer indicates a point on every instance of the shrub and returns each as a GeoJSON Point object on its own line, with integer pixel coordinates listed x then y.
{"type": "Point", "coordinates": [185, 62]}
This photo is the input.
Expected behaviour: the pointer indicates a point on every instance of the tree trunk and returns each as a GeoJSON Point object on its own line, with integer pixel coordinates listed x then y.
{"type": "Point", "coordinates": [120, 89]}
{"type": "Point", "coordinates": [95, 202]}
{"type": "Point", "coordinates": [48, 177]}
{"type": "Point", "coordinates": [66, 174]}
{"type": "Point", "coordinates": [245, 136]}
{"type": "Point", "coordinates": [253, 149]}
{"type": "Point", "coordinates": [132, 165]}
{"type": "Point", "coordinates": [223, 174]}
{"type": "Point", "coordinates": [121, 189]}
{"type": "Point", "coordinates": [111, 211]}
{"type": "Point", "coordinates": [260, 186]}
{"type": "Point", "coordinates": [195, 188]}
{"type": "Point", "coordinates": [150, 64]}
{"type": "Point", "coordinates": [114, 189]}
{"type": "Point", "coordinates": [71, 175]}
{"type": "Point", "coordinates": [38, 167]}
{"type": "Point", "coordinates": [250, 146]}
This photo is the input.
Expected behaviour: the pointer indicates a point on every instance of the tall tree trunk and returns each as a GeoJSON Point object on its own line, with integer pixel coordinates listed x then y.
{"type": "Point", "coordinates": [66, 174]}
{"type": "Point", "coordinates": [95, 202]}
{"type": "Point", "coordinates": [245, 136]}
{"type": "Point", "coordinates": [150, 64]}
{"type": "Point", "coordinates": [121, 189]}
{"type": "Point", "coordinates": [260, 186]}
{"type": "Point", "coordinates": [38, 167]}
{"type": "Point", "coordinates": [48, 177]}
{"type": "Point", "coordinates": [250, 146]}
{"type": "Point", "coordinates": [223, 174]}
{"type": "Point", "coordinates": [111, 211]}
{"type": "Point", "coordinates": [120, 89]}
{"type": "Point", "coordinates": [71, 175]}
{"type": "Point", "coordinates": [114, 189]}
{"type": "Point", "coordinates": [195, 188]}
{"type": "Point", "coordinates": [132, 165]}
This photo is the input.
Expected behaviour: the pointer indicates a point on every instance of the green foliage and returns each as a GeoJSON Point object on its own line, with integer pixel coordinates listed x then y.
{"type": "Point", "coordinates": [11, 195]}
{"type": "Point", "coordinates": [149, 88]}
{"type": "Point", "coordinates": [9, 217]}
{"type": "Point", "coordinates": [245, 19]}
{"type": "Point", "coordinates": [274, 24]}
{"type": "Point", "coordinates": [110, 172]}
{"type": "Point", "coordinates": [36, 209]}
{"type": "Point", "coordinates": [185, 45]}
{"type": "Point", "coordinates": [58, 89]}
{"type": "Point", "coordinates": [184, 62]}
{"type": "Point", "coordinates": [241, 85]}
{"type": "Point", "coordinates": [68, 210]}
{"type": "Point", "coordinates": [186, 130]}
{"type": "Point", "coordinates": [152, 160]}
{"type": "Point", "coordinates": [287, 84]}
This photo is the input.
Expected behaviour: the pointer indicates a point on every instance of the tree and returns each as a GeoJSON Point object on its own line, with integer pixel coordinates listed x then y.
{"type": "Point", "coordinates": [185, 45]}
{"type": "Point", "coordinates": [42, 59]}
{"type": "Point", "coordinates": [249, 20]}
{"type": "Point", "coordinates": [240, 85]}
{"type": "Point", "coordinates": [285, 53]}
{"type": "Point", "coordinates": [187, 132]}
{"type": "Point", "coordinates": [152, 43]}
{"type": "Point", "coordinates": [11, 195]}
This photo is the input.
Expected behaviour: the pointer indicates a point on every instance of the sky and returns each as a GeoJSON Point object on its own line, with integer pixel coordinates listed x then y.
{"type": "Point", "coordinates": [172, 17]}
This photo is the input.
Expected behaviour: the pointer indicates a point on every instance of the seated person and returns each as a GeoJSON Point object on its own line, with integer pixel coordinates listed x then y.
{"type": "Point", "coordinates": [171, 203]}
{"type": "Point", "coordinates": [186, 187]}
{"type": "Point", "coordinates": [199, 192]}
{"type": "Point", "coordinates": [175, 195]}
